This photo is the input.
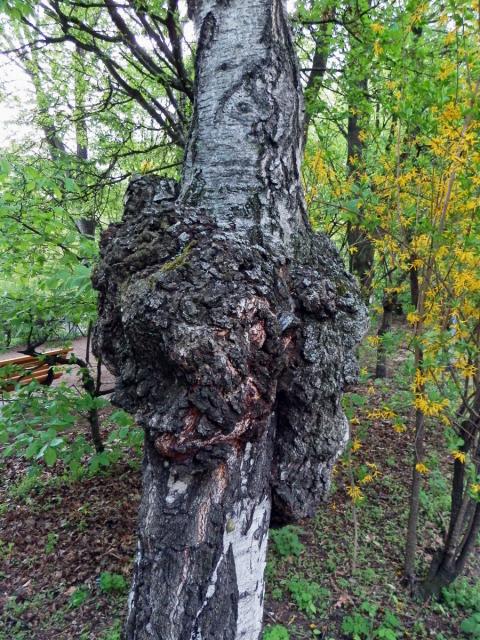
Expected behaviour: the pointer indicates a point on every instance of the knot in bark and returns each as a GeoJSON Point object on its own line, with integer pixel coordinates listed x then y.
{"type": "Point", "coordinates": [210, 335]}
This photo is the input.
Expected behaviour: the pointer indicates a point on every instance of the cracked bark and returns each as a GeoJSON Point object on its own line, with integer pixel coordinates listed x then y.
{"type": "Point", "coordinates": [231, 327]}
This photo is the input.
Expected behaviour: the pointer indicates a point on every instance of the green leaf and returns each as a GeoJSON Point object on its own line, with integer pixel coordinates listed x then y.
{"type": "Point", "coordinates": [50, 456]}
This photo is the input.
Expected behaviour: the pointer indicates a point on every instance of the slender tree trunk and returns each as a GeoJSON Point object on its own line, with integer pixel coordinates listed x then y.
{"type": "Point", "coordinates": [414, 286]}
{"type": "Point", "coordinates": [86, 225]}
{"type": "Point", "coordinates": [389, 304]}
{"type": "Point", "coordinates": [414, 502]}
{"type": "Point", "coordinates": [231, 328]}
{"type": "Point", "coordinates": [449, 562]}
{"type": "Point", "coordinates": [322, 38]}
{"type": "Point", "coordinates": [359, 241]}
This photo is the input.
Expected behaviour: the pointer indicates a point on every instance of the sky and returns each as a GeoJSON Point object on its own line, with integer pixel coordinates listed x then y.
{"type": "Point", "coordinates": [15, 97]}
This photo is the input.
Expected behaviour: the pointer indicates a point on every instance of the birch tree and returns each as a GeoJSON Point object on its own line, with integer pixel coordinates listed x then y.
{"type": "Point", "coordinates": [231, 327]}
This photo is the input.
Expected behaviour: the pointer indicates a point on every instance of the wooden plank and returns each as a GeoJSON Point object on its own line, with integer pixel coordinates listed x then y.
{"type": "Point", "coordinates": [20, 360]}
{"type": "Point", "coordinates": [28, 374]}
{"type": "Point", "coordinates": [40, 379]}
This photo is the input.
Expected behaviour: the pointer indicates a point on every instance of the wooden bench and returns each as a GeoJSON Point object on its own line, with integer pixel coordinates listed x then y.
{"type": "Point", "coordinates": [24, 369]}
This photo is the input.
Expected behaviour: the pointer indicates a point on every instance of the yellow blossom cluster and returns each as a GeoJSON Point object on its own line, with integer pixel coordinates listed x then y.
{"type": "Point", "coordinates": [381, 414]}
{"type": "Point", "coordinates": [355, 493]}
{"type": "Point", "coordinates": [422, 468]}
{"type": "Point", "coordinates": [356, 445]}
{"type": "Point", "coordinates": [465, 368]}
{"type": "Point", "coordinates": [430, 407]}
{"type": "Point", "coordinates": [377, 28]}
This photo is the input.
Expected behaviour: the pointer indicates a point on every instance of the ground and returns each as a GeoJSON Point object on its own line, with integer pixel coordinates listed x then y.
{"type": "Point", "coordinates": [66, 547]}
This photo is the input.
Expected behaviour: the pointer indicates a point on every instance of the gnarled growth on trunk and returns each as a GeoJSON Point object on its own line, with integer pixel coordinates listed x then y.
{"type": "Point", "coordinates": [231, 327]}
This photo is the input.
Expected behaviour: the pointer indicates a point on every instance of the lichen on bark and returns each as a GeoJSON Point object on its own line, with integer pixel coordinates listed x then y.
{"type": "Point", "coordinates": [231, 328]}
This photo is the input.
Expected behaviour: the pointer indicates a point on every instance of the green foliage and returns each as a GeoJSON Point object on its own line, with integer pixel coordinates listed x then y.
{"type": "Point", "coordinates": [471, 626]}
{"type": "Point", "coordinates": [52, 540]}
{"type": "Point", "coordinates": [307, 595]}
{"type": "Point", "coordinates": [462, 595]}
{"type": "Point", "coordinates": [357, 626]}
{"type": "Point", "coordinates": [6, 549]}
{"type": "Point", "coordinates": [112, 582]}
{"type": "Point", "coordinates": [362, 625]}
{"type": "Point", "coordinates": [435, 499]}
{"type": "Point", "coordinates": [286, 541]}
{"type": "Point", "coordinates": [277, 593]}
{"type": "Point", "coordinates": [45, 264]}
{"type": "Point", "coordinates": [41, 424]}
{"type": "Point", "coordinates": [78, 597]}
{"type": "Point", "coordinates": [276, 632]}
{"type": "Point", "coordinates": [37, 425]}
{"type": "Point", "coordinates": [16, 9]}
{"type": "Point", "coordinates": [114, 633]}
{"type": "Point", "coordinates": [27, 484]}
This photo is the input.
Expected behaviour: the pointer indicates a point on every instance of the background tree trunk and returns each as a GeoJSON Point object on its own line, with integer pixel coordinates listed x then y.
{"type": "Point", "coordinates": [231, 328]}
{"type": "Point", "coordinates": [389, 304]}
{"type": "Point", "coordinates": [359, 241]}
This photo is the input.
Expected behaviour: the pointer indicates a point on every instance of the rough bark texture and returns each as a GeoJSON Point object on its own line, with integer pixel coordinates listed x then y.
{"type": "Point", "coordinates": [359, 241]}
{"type": "Point", "coordinates": [231, 328]}
{"type": "Point", "coordinates": [389, 304]}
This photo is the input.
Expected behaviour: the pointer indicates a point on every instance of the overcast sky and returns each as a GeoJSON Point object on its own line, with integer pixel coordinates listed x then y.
{"type": "Point", "coordinates": [15, 97]}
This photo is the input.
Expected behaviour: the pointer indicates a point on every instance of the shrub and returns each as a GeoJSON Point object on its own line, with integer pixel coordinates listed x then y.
{"type": "Point", "coordinates": [277, 632]}
{"type": "Point", "coordinates": [286, 541]}
{"type": "Point", "coordinates": [306, 594]}
{"type": "Point", "coordinates": [112, 582]}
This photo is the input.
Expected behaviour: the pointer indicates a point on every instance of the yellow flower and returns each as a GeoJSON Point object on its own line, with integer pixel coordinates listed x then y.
{"type": "Point", "coordinates": [450, 37]}
{"type": "Point", "coordinates": [399, 428]}
{"type": "Point", "coordinates": [376, 27]}
{"type": "Point", "coordinates": [355, 493]}
{"type": "Point", "coordinates": [430, 407]}
{"type": "Point", "coordinates": [451, 112]}
{"type": "Point", "coordinates": [381, 414]}
{"type": "Point", "coordinates": [413, 317]}
{"type": "Point", "coordinates": [373, 340]}
{"type": "Point", "coordinates": [374, 468]}
{"type": "Point", "coordinates": [417, 263]}
{"type": "Point", "coordinates": [446, 69]}
{"type": "Point", "coordinates": [367, 479]}
{"type": "Point", "coordinates": [146, 166]}
{"type": "Point", "coordinates": [356, 445]}
{"type": "Point", "coordinates": [353, 250]}
{"type": "Point", "coordinates": [475, 489]}
{"type": "Point", "coordinates": [459, 455]}
{"type": "Point", "coordinates": [377, 47]}
{"type": "Point", "coordinates": [420, 380]}
{"type": "Point", "coordinates": [468, 370]}
{"type": "Point", "coordinates": [421, 468]}
{"type": "Point", "coordinates": [355, 421]}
